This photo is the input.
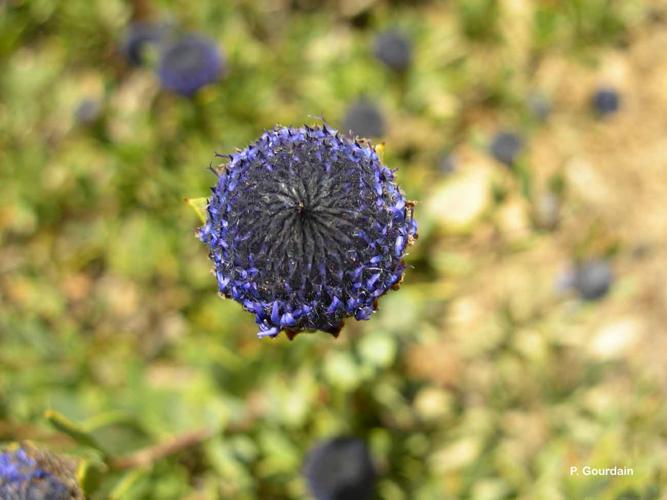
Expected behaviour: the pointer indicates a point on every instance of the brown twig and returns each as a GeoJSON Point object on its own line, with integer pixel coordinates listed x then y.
{"type": "Point", "coordinates": [151, 454]}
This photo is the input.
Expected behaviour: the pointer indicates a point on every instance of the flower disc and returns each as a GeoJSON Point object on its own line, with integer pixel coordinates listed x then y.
{"type": "Point", "coordinates": [305, 228]}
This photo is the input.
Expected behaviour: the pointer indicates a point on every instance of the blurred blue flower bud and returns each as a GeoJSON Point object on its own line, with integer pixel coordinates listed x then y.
{"type": "Point", "coordinates": [606, 101]}
{"type": "Point", "coordinates": [593, 279]}
{"type": "Point", "coordinates": [340, 469]}
{"type": "Point", "coordinates": [363, 118]}
{"type": "Point", "coordinates": [505, 147]}
{"type": "Point", "coordinates": [190, 63]}
{"type": "Point", "coordinates": [394, 49]}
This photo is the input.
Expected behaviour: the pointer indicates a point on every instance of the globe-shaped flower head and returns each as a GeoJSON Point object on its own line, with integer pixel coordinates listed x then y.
{"type": "Point", "coordinates": [26, 474]}
{"type": "Point", "coordinates": [189, 64]}
{"type": "Point", "coordinates": [305, 228]}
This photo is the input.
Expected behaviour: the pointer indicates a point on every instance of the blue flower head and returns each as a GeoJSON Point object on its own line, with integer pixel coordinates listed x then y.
{"type": "Point", "coordinates": [306, 228]}
{"type": "Point", "coordinates": [29, 475]}
{"type": "Point", "coordinates": [189, 64]}
{"type": "Point", "coordinates": [339, 469]}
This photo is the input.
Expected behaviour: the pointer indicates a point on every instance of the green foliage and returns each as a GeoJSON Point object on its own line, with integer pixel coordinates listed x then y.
{"type": "Point", "coordinates": [479, 19]}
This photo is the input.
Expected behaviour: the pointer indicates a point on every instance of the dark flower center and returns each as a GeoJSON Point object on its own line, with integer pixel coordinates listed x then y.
{"type": "Point", "coordinates": [301, 218]}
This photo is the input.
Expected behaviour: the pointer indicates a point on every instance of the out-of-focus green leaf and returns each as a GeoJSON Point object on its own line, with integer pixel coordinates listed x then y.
{"type": "Point", "coordinates": [73, 430]}
{"type": "Point", "coordinates": [90, 475]}
{"type": "Point", "coordinates": [125, 485]}
{"type": "Point", "coordinates": [378, 349]}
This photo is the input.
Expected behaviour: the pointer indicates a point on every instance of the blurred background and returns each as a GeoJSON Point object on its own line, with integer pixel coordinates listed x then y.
{"type": "Point", "coordinates": [528, 337]}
